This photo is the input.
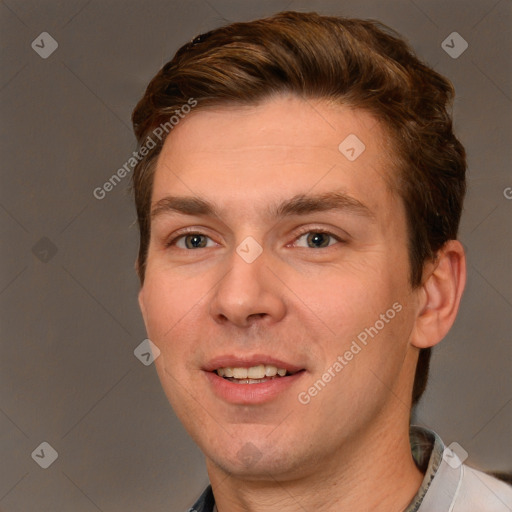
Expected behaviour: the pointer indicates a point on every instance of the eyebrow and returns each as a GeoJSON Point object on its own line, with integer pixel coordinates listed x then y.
{"type": "Point", "coordinates": [300, 204]}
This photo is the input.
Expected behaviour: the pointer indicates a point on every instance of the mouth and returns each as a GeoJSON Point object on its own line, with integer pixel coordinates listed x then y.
{"type": "Point", "coordinates": [251, 379]}
{"type": "Point", "coordinates": [254, 374]}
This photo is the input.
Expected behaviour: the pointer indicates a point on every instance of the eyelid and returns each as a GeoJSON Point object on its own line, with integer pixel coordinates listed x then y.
{"type": "Point", "coordinates": [184, 232]}
{"type": "Point", "coordinates": [318, 229]}
{"type": "Point", "coordinates": [298, 234]}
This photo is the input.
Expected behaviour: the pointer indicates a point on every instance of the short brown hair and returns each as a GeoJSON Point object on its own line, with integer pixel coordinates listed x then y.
{"type": "Point", "coordinates": [360, 63]}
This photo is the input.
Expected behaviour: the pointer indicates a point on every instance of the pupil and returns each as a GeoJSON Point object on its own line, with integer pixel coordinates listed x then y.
{"type": "Point", "coordinates": [195, 241]}
{"type": "Point", "coordinates": [317, 237]}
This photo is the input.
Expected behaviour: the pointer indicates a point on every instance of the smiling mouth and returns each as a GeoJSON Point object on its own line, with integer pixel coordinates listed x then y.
{"type": "Point", "coordinates": [254, 374]}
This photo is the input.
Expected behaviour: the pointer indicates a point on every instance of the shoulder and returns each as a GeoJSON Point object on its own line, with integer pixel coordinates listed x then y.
{"type": "Point", "coordinates": [457, 487]}
{"type": "Point", "coordinates": [450, 485]}
{"type": "Point", "coordinates": [482, 492]}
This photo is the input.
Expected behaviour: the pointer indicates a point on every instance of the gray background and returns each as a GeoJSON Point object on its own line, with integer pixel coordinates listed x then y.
{"type": "Point", "coordinates": [70, 322]}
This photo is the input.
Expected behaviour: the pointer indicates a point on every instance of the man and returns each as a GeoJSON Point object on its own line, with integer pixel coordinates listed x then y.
{"type": "Point", "coordinates": [298, 195]}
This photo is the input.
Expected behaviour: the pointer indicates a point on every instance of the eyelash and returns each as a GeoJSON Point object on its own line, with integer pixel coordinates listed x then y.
{"type": "Point", "coordinates": [191, 231]}
{"type": "Point", "coordinates": [322, 231]}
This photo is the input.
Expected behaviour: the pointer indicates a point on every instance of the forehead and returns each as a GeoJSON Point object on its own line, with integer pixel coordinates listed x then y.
{"type": "Point", "coordinates": [282, 147]}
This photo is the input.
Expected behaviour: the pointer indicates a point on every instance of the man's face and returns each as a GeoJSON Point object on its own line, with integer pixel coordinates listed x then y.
{"type": "Point", "coordinates": [299, 287]}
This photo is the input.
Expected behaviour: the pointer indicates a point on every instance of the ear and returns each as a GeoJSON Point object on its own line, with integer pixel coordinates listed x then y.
{"type": "Point", "coordinates": [140, 297]}
{"type": "Point", "coordinates": [439, 295]}
{"type": "Point", "coordinates": [142, 306]}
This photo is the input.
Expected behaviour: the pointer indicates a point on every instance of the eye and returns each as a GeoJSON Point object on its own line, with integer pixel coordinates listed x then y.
{"type": "Point", "coordinates": [312, 239]}
{"type": "Point", "coordinates": [191, 241]}
{"type": "Point", "coordinates": [317, 239]}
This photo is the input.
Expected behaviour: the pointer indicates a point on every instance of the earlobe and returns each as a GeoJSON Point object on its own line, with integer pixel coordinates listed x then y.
{"type": "Point", "coordinates": [440, 295]}
{"type": "Point", "coordinates": [142, 306]}
{"type": "Point", "coordinates": [140, 296]}
{"type": "Point", "coordinates": [141, 303]}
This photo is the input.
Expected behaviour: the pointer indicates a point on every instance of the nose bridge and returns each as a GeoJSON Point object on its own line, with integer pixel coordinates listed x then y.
{"type": "Point", "coordinates": [248, 288]}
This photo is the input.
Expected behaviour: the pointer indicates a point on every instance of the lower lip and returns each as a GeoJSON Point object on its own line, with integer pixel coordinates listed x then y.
{"type": "Point", "coordinates": [247, 394]}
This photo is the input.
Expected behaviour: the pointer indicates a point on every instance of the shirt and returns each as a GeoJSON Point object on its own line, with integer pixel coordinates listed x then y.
{"type": "Point", "coordinates": [448, 484]}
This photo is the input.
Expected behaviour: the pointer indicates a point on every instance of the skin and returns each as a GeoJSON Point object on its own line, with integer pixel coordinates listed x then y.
{"type": "Point", "coordinates": [348, 448]}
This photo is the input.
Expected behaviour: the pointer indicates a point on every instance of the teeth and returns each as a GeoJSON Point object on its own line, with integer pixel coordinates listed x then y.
{"type": "Point", "coordinates": [270, 370]}
{"type": "Point", "coordinates": [240, 373]}
{"type": "Point", "coordinates": [254, 372]}
{"type": "Point", "coordinates": [248, 381]}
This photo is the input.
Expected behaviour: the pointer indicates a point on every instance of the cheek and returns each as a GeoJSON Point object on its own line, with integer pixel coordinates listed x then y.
{"type": "Point", "coordinates": [167, 299]}
{"type": "Point", "coordinates": [352, 295]}
{"type": "Point", "coordinates": [360, 304]}
{"type": "Point", "coordinates": [171, 317]}
{"type": "Point", "coordinates": [171, 311]}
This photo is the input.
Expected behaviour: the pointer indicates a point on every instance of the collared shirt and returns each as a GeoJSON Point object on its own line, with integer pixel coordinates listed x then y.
{"type": "Point", "coordinates": [448, 485]}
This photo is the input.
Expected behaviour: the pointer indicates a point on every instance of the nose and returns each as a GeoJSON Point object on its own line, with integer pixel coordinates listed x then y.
{"type": "Point", "coordinates": [248, 292]}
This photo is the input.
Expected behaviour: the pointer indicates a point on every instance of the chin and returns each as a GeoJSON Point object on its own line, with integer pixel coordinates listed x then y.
{"type": "Point", "coordinates": [248, 462]}
{"type": "Point", "coordinates": [253, 470]}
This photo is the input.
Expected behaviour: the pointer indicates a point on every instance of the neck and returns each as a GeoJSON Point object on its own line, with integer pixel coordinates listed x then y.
{"type": "Point", "coordinates": [374, 472]}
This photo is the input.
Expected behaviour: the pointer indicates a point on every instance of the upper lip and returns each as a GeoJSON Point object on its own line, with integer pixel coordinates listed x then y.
{"type": "Point", "coordinates": [246, 361]}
